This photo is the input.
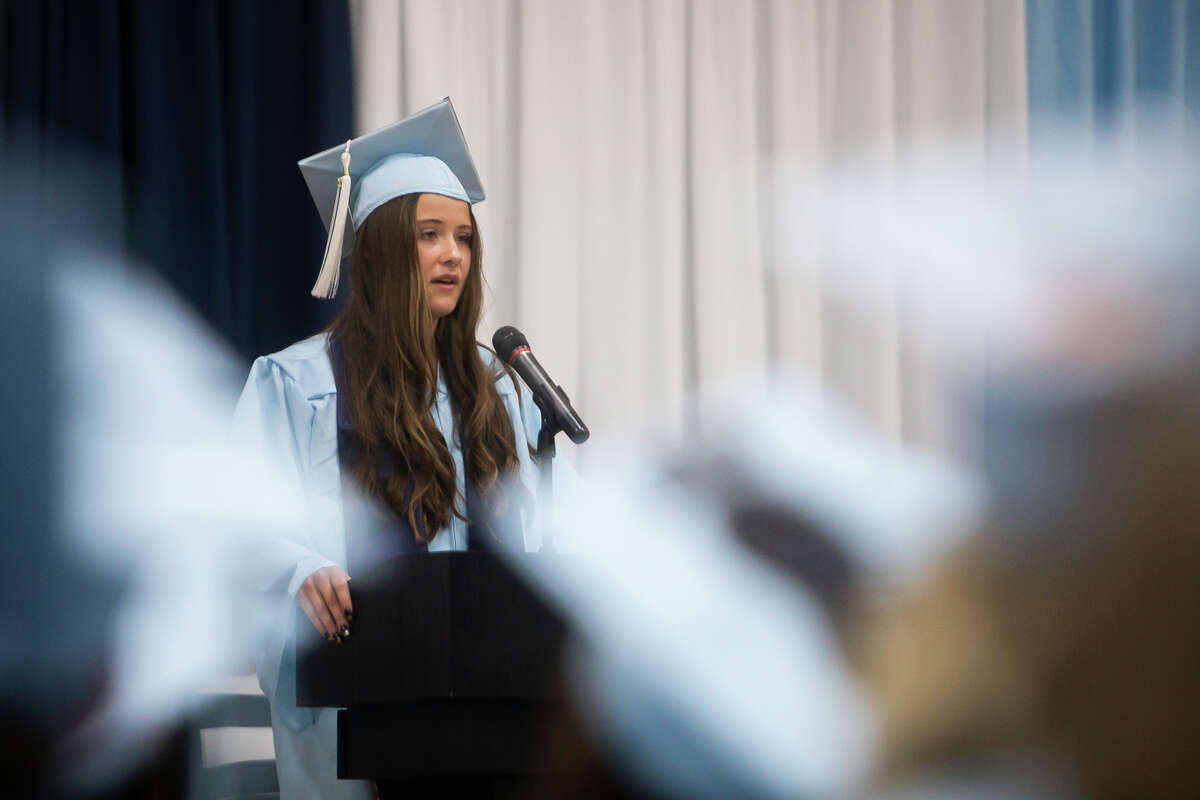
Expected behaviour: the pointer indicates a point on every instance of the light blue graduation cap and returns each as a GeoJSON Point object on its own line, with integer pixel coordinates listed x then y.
{"type": "Point", "coordinates": [425, 152]}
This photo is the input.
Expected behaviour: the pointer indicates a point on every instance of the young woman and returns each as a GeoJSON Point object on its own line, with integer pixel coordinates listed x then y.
{"type": "Point", "coordinates": [398, 399]}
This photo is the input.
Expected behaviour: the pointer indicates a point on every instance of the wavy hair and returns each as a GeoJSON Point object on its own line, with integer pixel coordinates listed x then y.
{"type": "Point", "coordinates": [393, 347]}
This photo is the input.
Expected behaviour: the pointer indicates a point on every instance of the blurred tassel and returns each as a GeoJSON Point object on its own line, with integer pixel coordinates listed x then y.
{"type": "Point", "coordinates": [327, 280]}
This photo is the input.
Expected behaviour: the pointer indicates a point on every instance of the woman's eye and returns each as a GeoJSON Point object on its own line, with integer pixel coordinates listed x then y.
{"type": "Point", "coordinates": [428, 234]}
{"type": "Point", "coordinates": [465, 238]}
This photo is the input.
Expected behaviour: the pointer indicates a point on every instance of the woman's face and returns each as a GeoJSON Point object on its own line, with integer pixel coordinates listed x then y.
{"type": "Point", "coordinates": [443, 249]}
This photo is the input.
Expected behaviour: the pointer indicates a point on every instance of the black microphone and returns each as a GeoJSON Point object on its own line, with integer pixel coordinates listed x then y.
{"type": "Point", "coordinates": [512, 346]}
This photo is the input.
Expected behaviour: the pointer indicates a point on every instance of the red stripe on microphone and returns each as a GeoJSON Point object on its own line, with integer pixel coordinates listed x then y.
{"type": "Point", "coordinates": [516, 353]}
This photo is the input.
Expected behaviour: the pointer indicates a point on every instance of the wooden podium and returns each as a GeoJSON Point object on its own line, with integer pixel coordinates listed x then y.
{"type": "Point", "coordinates": [448, 675]}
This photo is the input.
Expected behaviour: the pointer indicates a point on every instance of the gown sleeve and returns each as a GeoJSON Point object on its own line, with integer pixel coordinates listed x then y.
{"type": "Point", "coordinates": [274, 416]}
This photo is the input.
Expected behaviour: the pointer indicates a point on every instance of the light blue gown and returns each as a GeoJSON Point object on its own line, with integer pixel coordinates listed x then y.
{"type": "Point", "coordinates": [289, 409]}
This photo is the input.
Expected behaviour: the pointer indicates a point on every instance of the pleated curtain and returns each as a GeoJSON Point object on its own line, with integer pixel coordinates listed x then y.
{"type": "Point", "coordinates": [641, 159]}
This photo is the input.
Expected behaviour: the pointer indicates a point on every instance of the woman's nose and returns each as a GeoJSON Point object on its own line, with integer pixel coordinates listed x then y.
{"type": "Point", "coordinates": [450, 250]}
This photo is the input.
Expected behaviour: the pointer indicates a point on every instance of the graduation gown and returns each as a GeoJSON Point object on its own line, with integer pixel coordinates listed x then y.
{"type": "Point", "coordinates": [289, 409]}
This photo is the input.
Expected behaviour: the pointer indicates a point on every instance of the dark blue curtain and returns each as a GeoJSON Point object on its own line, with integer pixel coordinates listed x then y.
{"type": "Point", "coordinates": [1090, 60]}
{"type": "Point", "coordinates": [190, 117]}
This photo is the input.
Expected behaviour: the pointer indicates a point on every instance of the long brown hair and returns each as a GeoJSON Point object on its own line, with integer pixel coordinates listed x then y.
{"type": "Point", "coordinates": [392, 347]}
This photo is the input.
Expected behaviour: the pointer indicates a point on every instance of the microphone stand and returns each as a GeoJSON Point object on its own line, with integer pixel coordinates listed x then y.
{"type": "Point", "coordinates": [545, 461]}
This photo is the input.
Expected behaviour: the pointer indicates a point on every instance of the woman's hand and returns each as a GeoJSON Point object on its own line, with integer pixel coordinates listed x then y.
{"type": "Point", "coordinates": [325, 598]}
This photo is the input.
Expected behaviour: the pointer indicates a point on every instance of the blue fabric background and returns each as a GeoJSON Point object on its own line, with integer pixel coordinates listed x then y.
{"type": "Point", "coordinates": [1090, 59]}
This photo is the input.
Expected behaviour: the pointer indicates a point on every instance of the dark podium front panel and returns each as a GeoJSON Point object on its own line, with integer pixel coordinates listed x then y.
{"type": "Point", "coordinates": [450, 669]}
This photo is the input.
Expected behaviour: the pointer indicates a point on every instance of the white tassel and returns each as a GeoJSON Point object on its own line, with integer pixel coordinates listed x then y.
{"type": "Point", "coordinates": [331, 266]}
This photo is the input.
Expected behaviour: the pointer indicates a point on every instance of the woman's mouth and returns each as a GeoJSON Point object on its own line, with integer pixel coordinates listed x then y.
{"type": "Point", "coordinates": [446, 282]}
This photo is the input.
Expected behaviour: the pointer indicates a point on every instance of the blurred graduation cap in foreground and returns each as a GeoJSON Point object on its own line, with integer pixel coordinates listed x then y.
{"type": "Point", "coordinates": [707, 590]}
{"type": "Point", "coordinates": [132, 514]}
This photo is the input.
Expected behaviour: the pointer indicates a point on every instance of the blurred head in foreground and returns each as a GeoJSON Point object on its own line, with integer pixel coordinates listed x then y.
{"type": "Point", "coordinates": [1056, 641]}
{"type": "Point", "coordinates": [1064, 635]}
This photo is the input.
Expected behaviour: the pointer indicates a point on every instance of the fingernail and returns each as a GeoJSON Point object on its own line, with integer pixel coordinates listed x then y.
{"type": "Point", "coordinates": [337, 638]}
{"type": "Point", "coordinates": [345, 631]}
{"type": "Point", "coordinates": [349, 615]}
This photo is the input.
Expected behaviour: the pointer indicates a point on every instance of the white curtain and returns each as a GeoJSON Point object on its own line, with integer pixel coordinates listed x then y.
{"type": "Point", "coordinates": [633, 151]}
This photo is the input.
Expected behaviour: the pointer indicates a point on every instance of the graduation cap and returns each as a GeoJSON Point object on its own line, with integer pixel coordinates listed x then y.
{"type": "Point", "coordinates": [425, 152]}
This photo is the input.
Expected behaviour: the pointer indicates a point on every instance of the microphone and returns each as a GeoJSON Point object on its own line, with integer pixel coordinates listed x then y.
{"type": "Point", "coordinates": [512, 346]}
